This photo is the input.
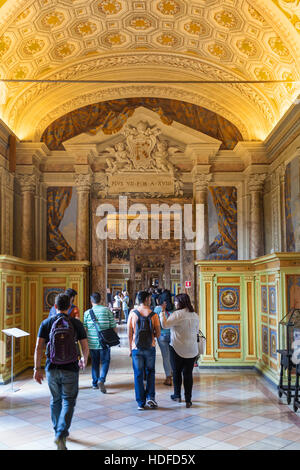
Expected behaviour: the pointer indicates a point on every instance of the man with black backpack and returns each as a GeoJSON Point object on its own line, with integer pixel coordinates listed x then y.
{"type": "Point", "coordinates": [143, 327]}
{"type": "Point", "coordinates": [60, 334]}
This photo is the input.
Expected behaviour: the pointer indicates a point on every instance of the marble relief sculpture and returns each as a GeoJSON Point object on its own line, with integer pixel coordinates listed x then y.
{"type": "Point", "coordinates": [140, 150]}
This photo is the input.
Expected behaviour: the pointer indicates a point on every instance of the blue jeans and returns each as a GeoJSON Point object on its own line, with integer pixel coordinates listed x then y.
{"type": "Point", "coordinates": [63, 385]}
{"type": "Point", "coordinates": [100, 356]}
{"type": "Point", "coordinates": [163, 342]}
{"type": "Point", "coordinates": [144, 360]}
{"type": "Point", "coordinates": [126, 311]}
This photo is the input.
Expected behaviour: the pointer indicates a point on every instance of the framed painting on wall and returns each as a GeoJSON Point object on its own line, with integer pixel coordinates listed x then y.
{"type": "Point", "coordinates": [9, 300]}
{"type": "Point", "coordinates": [264, 299]}
{"type": "Point", "coordinates": [229, 298]}
{"type": "Point", "coordinates": [18, 300]}
{"type": "Point", "coordinates": [273, 344]}
{"type": "Point", "coordinates": [265, 340]}
{"type": "Point", "coordinates": [272, 300]}
{"type": "Point", "coordinates": [292, 291]}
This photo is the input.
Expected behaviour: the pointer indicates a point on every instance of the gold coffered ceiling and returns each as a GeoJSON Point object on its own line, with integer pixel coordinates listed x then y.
{"type": "Point", "coordinates": [149, 40]}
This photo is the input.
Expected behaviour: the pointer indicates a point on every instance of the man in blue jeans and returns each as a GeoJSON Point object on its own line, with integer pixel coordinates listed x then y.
{"type": "Point", "coordinates": [62, 378]}
{"type": "Point", "coordinates": [105, 319]}
{"type": "Point", "coordinates": [143, 358]}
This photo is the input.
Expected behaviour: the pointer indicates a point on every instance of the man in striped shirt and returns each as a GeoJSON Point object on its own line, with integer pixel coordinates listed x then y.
{"type": "Point", "coordinates": [105, 320]}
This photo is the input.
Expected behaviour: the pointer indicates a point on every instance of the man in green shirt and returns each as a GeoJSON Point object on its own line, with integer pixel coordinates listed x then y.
{"type": "Point", "coordinates": [105, 320]}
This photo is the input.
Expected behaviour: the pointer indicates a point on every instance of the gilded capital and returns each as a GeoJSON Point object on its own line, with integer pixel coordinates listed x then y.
{"type": "Point", "coordinates": [201, 181]}
{"type": "Point", "coordinates": [83, 182]}
{"type": "Point", "coordinates": [27, 182]}
{"type": "Point", "coordinates": [256, 181]}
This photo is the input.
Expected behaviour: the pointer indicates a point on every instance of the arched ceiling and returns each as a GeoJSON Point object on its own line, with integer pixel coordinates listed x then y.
{"type": "Point", "coordinates": [149, 40]}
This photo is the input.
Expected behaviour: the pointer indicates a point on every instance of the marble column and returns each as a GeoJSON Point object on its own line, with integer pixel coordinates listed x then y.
{"type": "Point", "coordinates": [6, 211]}
{"type": "Point", "coordinates": [28, 190]}
{"type": "Point", "coordinates": [132, 267]}
{"type": "Point", "coordinates": [83, 186]}
{"type": "Point", "coordinates": [281, 173]}
{"type": "Point", "coordinates": [255, 185]}
{"type": "Point", "coordinates": [99, 257]}
{"type": "Point", "coordinates": [168, 271]}
{"type": "Point", "coordinates": [200, 196]}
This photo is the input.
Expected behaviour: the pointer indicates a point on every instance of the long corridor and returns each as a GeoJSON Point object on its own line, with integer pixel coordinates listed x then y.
{"type": "Point", "coordinates": [232, 410]}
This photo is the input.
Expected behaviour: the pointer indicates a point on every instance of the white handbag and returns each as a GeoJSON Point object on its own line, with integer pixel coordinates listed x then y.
{"type": "Point", "coordinates": [201, 341]}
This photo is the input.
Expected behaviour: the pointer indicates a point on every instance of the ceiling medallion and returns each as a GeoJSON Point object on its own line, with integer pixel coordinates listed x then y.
{"type": "Point", "coordinates": [65, 49]}
{"type": "Point", "coordinates": [53, 19]}
{"type": "Point", "coordinates": [167, 40]}
{"type": "Point", "coordinates": [278, 47]}
{"type": "Point", "coordinates": [247, 47]}
{"type": "Point", "coordinates": [85, 28]}
{"type": "Point", "coordinates": [262, 74]}
{"type": "Point", "coordinates": [194, 27]}
{"type": "Point", "coordinates": [19, 72]}
{"type": "Point", "coordinates": [168, 7]}
{"type": "Point", "coordinates": [226, 19]}
{"type": "Point", "coordinates": [140, 23]}
{"type": "Point", "coordinates": [33, 46]}
{"type": "Point", "coordinates": [217, 50]}
{"type": "Point", "coordinates": [109, 7]}
{"type": "Point", "coordinates": [114, 39]}
{"type": "Point", "coordinates": [5, 43]}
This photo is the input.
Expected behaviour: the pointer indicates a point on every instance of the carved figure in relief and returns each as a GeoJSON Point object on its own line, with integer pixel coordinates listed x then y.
{"type": "Point", "coordinates": [163, 151]}
{"type": "Point", "coordinates": [121, 156]}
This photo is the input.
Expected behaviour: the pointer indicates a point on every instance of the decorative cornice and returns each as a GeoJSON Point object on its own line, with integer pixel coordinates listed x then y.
{"type": "Point", "coordinates": [175, 61]}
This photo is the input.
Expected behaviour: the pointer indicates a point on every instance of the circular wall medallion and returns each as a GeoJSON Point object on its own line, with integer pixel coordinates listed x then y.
{"type": "Point", "coordinates": [229, 298]}
{"type": "Point", "coordinates": [50, 297]}
{"type": "Point", "coordinates": [229, 336]}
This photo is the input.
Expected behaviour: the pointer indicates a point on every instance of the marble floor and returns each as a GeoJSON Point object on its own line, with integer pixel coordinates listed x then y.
{"type": "Point", "coordinates": [232, 410]}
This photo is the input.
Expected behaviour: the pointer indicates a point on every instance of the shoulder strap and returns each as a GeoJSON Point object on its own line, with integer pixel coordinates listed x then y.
{"type": "Point", "coordinates": [93, 317]}
{"type": "Point", "coordinates": [137, 313]}
{"type": "Point", "coordinates": [70, 309]}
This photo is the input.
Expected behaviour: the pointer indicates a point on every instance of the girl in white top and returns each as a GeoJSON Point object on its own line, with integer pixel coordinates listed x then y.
{"type": "Point", "coordinates": [184, 326]}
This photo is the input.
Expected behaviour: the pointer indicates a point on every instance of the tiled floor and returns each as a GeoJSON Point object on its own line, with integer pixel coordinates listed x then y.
{"type": "Point", "coordinates": [231, 410]}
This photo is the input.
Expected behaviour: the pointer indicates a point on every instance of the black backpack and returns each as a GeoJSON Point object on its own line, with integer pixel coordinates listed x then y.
{"type": "Point", "coordinates": [143, 331]}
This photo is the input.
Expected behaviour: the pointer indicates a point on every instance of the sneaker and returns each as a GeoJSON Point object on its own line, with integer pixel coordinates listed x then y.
{"type": "Point", "coordinates": [61, 443]}
{"type": "Point", "coordinates": [188, 404]}
{"type": "Point", "coordinates": [175, 398]}
{"type": "Point", "coordinates": [141, 407]}
{"type": "Point", "coordinates": [102, 387]}
{"type": "Point", "coordinates": [151, 403]}
{"type": "Point", "coordinates": [95, 387]}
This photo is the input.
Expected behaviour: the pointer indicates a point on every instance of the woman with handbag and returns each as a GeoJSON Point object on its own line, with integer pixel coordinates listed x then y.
{"type": "Point", "coordinates": [184, 327]}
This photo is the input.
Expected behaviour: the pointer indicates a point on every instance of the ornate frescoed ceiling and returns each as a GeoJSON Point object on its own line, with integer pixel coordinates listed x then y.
{"type": "Point", "coordinates": [149, 40]}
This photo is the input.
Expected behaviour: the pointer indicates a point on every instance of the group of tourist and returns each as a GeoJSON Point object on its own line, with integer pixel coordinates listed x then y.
{"type": "Point", "coordinates": [67, 339]}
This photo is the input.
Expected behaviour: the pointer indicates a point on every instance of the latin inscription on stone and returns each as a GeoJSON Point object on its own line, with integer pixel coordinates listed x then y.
{"type": "Point", "coordinates": [144, 183]}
